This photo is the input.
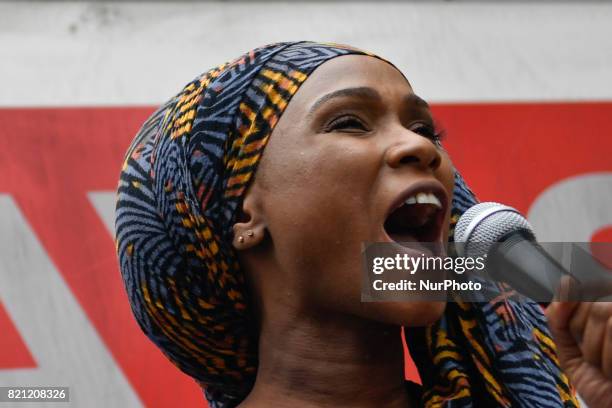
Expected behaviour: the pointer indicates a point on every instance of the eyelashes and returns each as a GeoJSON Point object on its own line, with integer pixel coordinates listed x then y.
{"type": "Point", "coordinates": [353, 124]}
{"type": "Point", "coordinates": [430, 133]}
{"type": "Point", "coordinates": [349, 123]}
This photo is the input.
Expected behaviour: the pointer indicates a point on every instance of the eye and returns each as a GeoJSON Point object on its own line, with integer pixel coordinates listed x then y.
{"type": "Point", "coordinates": [347, 123]}
{"type": "Point", "coordinates": [428, 131]}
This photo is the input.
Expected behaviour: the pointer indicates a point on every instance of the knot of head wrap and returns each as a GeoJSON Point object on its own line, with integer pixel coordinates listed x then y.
{"type": "Point", "coordinates": [182, 183]}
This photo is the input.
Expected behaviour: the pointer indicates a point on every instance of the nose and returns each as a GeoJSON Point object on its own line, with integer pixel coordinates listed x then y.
{"type": "Point", "coordinates": [415, 150]}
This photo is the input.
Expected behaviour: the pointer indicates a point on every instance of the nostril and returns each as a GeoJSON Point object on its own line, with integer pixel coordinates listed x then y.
{"type": "Point", "coordinates": [409, 160]}
{"type": "Point", "coordinates": [435, 163]}
{"type": "Point", "coordinates": [414, 152]}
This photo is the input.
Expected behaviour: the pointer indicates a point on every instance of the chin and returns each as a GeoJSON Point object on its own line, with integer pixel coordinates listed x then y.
{"type": "Point", "coordinates": [408, 314]}
{"type": "Point", "coordinates": [422, 313]}
{"type": "Point", "coordinates": [428, 313]}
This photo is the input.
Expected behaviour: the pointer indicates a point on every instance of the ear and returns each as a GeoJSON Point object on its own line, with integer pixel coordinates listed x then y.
{"type": "Point", "coordinates": [250, 228]}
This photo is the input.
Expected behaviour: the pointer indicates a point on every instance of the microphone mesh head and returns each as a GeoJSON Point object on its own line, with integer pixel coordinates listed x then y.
{"type": "Point", "coordinates": [492, 221]}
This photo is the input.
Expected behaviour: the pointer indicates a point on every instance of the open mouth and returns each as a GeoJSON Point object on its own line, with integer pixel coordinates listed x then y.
{"type": "Point", "coordinates": [417, 215]}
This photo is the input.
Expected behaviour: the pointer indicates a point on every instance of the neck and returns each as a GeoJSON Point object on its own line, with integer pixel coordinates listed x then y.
{"type": "Point", "coordinates": [326, 359]}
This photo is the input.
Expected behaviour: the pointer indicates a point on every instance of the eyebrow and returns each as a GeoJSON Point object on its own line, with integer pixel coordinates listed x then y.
{"type": "Point", "coordinates": [364, 92]}
{"type": "Point", "coordinates": [361, 92]}
{"type": "Point", "coordinates": [416, 100]}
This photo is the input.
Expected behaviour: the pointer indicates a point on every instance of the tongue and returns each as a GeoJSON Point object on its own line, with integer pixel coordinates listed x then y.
{"type": "Point", "coordinates": [403, 237]}
{"type": "Point", "coordinates": [412, 242]}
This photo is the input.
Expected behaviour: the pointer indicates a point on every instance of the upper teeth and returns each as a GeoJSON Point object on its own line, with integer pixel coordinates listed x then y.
{"type": "Point", "coordinates": [424, 198]}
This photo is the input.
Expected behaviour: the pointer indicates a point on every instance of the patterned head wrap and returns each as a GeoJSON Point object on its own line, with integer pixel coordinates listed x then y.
{"type": "Point", "coordinates": [182, 182]}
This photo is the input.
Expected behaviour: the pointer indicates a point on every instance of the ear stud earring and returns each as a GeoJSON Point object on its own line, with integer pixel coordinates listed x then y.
{"type": "Point", "coordinates": [241, 239]}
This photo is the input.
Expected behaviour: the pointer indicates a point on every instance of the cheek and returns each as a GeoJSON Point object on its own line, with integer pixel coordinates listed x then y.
{"type": "Point", "coordinates": [322, 184]}
{"type": "Point", "coordinates": [312, 220]}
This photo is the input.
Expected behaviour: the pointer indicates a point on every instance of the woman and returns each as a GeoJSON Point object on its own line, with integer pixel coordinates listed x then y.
{"type": "Point", "coordinates": [243, 266]}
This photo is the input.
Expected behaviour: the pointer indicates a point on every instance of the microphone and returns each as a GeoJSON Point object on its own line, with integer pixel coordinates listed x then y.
{"type": "Point", "coordinates": [506, 238]}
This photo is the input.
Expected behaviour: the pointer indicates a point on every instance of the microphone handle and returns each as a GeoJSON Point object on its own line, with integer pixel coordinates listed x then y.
{"type": "Point", "coordinates": [522, 263]}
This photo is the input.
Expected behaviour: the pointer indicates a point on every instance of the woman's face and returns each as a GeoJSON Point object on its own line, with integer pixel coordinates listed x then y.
{"type": "Point", "coordinates": [353, 144]}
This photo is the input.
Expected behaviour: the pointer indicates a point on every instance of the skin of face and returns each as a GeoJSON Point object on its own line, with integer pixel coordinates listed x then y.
{"type": "Point", "coordinates": [353, 137]}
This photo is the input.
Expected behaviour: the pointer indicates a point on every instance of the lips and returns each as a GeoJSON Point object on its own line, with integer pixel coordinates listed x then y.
{"type": "Point", "coordinates": [417, 214]}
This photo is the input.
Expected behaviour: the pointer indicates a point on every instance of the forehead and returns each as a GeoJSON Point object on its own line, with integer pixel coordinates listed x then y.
{"type": "Point", "coordinates": [352, 71]}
